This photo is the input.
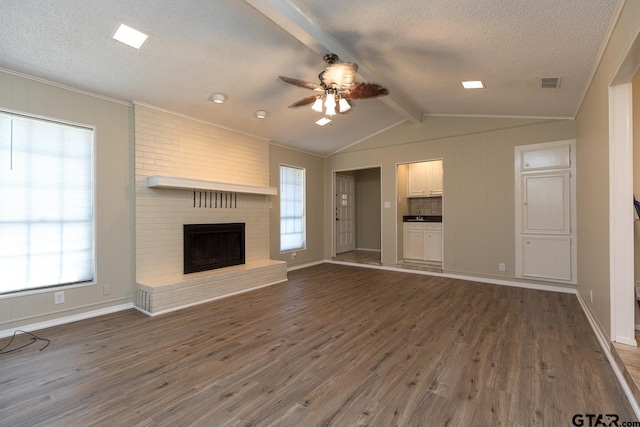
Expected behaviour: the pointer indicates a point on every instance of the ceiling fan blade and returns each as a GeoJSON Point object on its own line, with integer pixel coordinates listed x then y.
{"type": "Point", "coordinates": [302, 83]}
{"type": "Point", "coordinates": [342, 75]}
{"type": "Point", "coordinates": [304, 101]}
{"type": "Point", "coordinates": [364, 90]}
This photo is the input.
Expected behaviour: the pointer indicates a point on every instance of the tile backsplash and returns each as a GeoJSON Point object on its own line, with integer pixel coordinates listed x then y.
{"type": "Point", "coordinates": [425, 206]}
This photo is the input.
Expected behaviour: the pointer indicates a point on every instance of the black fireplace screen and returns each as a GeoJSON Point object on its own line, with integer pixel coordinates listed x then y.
{"type": "Point", "coordinates": [211, 246]}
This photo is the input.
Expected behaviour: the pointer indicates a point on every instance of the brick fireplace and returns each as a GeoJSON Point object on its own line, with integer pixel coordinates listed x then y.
{"type": "Point", "coordinates": [208, 161]}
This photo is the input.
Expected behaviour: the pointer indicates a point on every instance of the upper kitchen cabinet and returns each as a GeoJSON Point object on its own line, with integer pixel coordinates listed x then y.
{"type": "Point", "coordinates": [425, 179]}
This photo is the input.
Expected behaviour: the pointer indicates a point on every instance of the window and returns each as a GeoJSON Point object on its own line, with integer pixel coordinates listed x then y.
{"type": "Point", "coordinates": [292, 209]}
{"type": "Point", "coordinates": [46, 203]}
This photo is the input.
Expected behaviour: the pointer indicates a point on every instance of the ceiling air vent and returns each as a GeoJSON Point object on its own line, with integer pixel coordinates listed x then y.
{"type": "Point", "coordinates": [550, 82]}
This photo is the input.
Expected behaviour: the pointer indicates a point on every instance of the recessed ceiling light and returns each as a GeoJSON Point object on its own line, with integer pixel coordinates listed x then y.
{"type": "Point", "coordinates": [473, 84]}
{"type": "Point", "coordinates": [218, 98]}
{"type": "Point", "coordinates": [323, 121]}
{"type": "Point", "coordinates": [130, 36]}
{"type": "Point", "coordinates": [261, 114]}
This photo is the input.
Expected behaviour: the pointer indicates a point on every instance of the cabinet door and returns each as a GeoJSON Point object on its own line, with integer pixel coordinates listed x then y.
{"type": "Point", "coordinates": [545, 157]}
{"type": "Point", "coordinates": [433, 245]}
{"type": "Point", "coordinates": [434, 178]}
{"type": "Point", "coordinates": [547, 257]}
{"type": "Point", "coordinates": [417, 180]}
{"type": "Point", "coordinates": [546, 203]}
{"type": "Point", "coordinates": [414, 245]}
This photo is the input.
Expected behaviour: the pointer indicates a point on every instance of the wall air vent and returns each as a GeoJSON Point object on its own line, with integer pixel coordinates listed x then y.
{"type": "Point", "coordinates": [550, 82]}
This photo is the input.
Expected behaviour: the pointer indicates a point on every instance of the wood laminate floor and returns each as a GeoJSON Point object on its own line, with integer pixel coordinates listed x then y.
{"type": "Point", "coordinates": [373, 258]}
{"type": "Point", "coordinates": [359, 257]}
{"type": "Point", "coordinates": [336, 345]}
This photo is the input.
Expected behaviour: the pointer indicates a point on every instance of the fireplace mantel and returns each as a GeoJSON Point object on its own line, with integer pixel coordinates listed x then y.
{"type": "Point", "coordinates": [159, 181]}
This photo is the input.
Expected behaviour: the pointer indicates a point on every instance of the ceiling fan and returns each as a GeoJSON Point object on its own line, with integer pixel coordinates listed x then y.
{"type": "Point", "coordinates": [337, 87]}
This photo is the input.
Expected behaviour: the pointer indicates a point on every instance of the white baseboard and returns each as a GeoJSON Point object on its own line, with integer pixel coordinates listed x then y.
{"type": "Point", "coordinates": [368, 250]}
{"type": "Point", "coordinates": [298, 267]}
{"type": "Point", "coordinates": [605, 345]}
{"type": "Point", "coordinates": [66, 319]}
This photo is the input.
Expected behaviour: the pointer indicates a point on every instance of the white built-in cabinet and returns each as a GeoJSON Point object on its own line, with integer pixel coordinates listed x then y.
{"type": "Point", "coordinates": [422, 241]}
{"type": "Point", "coordinates": [433, 244]}
{"type": "Point", "coordinates": [425, 179]}
{"type": "Point", "coordinates": [413, 239]}
{"type": "Point", "coordinates": [545, 211]}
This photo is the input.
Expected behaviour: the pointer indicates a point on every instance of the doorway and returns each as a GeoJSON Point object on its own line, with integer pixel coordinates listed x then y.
{"type": "Point", "coordinates": [357, 213]}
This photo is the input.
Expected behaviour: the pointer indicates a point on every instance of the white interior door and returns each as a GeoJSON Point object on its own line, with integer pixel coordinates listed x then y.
{"type": "Point", "coordinates": [345, 214]}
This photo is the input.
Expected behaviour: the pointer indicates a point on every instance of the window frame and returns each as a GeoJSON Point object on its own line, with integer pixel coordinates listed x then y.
{"type": "Point", "coordinates": [94, 192]}
{"type": "Point", "coordinates": [303, 218]}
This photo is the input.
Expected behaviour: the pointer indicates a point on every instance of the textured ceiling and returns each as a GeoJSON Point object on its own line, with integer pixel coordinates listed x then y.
{"type": "Point", "coordinates": [421, 50]}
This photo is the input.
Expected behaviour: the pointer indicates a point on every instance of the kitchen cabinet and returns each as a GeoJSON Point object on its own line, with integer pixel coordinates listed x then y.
{"type": "Point", "coordinates": [413, 238]}
{"type": "Point", "coordinates": [422, 241]}
{"type": "Point", "coordinates": [425, 179]}
{"type": "Point", "coordinates": [433, 245]}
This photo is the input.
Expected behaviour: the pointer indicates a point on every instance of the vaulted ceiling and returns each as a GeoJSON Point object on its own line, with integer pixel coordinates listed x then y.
{"type": "Point", "coordinates": [419, 50]}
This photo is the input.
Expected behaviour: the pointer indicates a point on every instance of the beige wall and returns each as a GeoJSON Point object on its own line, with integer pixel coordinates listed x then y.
{"type": "Point", "coordinates": [478, 207]}
{"type": "Point", "coordinates": [592, 134]}
{"type": "Point", "coordinates": [315, 207]}
{"type": "Point", "coordinates": [114, 200]}
{"type": "Point", "coordinates": [368, 205]}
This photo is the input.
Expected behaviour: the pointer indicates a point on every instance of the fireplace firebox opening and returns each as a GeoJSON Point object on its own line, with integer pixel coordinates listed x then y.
{"type": "Point", "coordinates": [211, 246]}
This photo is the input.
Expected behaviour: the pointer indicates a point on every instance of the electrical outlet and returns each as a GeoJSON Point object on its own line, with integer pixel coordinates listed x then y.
{"type": "Point", "coordinates": [106, 289]}
{"type": "Point", "coordinates": [294, 255]}
{"type": "Point", "coordinates": [387, 204]}
{"type": "Point", "coordinates": [591, 295]}
{"type": "Point", "coordinates": [58, 297]}
{"type": "Point", "coordinates": [502, 266]}
{"type": "Point", "coordinates": [638, 292]}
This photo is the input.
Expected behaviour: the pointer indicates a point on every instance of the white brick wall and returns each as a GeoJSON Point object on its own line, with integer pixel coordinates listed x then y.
{"type": "Point", "coordinates": [171, 145]}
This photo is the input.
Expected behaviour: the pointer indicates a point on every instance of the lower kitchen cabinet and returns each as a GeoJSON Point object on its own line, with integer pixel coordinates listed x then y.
{"type": "Point", "coordinates": [413, 243]}
{"type": "Point", "coordinates": [433, 245]}
{"type": "Point", "coordinates": [422, 241]}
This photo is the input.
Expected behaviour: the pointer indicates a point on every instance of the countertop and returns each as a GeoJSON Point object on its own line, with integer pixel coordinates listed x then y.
{"type": "Point", "coordinates": [422, 218]}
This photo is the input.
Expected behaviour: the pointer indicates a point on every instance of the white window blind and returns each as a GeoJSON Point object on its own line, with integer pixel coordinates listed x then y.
{"type": "Point", "coordinates": [292, 208]}
{"type": "Point", "coordinates": [46, 203]}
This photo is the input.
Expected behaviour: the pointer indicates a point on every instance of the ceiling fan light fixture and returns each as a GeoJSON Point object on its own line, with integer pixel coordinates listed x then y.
{"type": "Point", "coordinates": [323, 121]}
{"type": "Point", "coordinates": [331, 110]}
{"type": "Point", "coordinates": [261, 114]}
{"type": "Point", "coordinates": [331, 100]}
{"type": "Point", "coordinates": [317, 105]}
{"type": "Point", "coordinates": [218, 98]}
{"type": "Point", "coordinates": [344, 105]}
{"type": "Point", "coordinates": [330, 104]}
